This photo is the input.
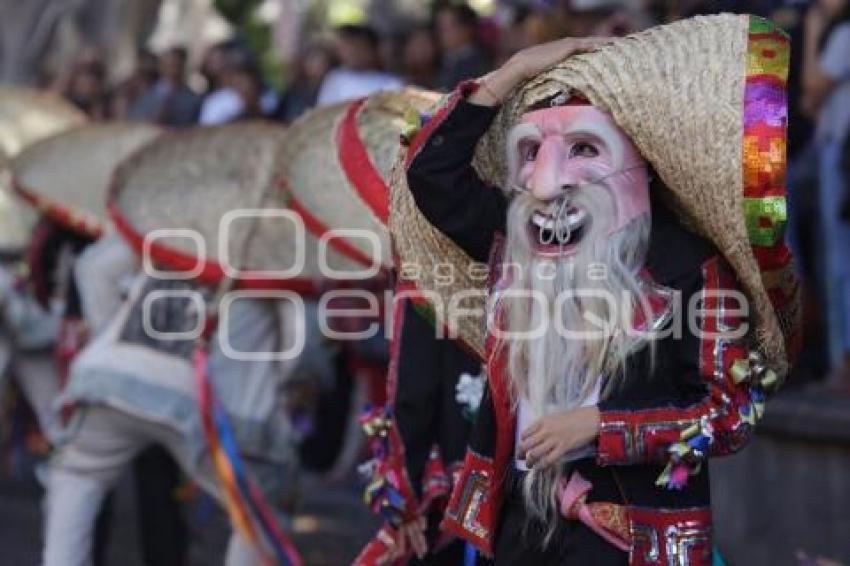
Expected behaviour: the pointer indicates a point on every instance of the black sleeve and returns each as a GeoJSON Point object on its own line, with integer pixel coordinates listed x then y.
{"type": "Point", "coordinates": [446, 187]}
{"type": "Point", "coordinates": [417, 391]}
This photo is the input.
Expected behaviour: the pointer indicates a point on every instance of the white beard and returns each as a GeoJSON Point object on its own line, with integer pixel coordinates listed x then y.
{"type": "Point", "coordinates": [556, 368]}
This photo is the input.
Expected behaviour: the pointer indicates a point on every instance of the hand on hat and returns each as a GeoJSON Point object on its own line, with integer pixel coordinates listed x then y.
{"type": "Point", "coordinates": [532, 61]}
{"type": "Point", "coordinates": [527, 64]}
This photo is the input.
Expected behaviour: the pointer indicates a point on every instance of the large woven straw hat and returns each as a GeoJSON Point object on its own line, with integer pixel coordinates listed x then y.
{"type": "Point", "coordinates": [66, 176]}
{"type": "Point", "coordinates": [337, 161]}
{"type": "Point", "coordinates": [181, 190]}
{"type": "Point", "coordinates": [16, 218]}
{"type": "Point", "coordinates": [28, 115]}
{"type": "Point", "coordinates": [704, 100]}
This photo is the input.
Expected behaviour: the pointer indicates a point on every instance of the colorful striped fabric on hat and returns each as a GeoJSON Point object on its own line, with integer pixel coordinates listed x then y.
{"type": "Point", "coordinates": [764, 167]}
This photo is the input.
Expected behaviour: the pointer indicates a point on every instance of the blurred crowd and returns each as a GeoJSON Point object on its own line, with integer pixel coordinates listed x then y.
{"type": "Point", "coordinates": [226, 83]}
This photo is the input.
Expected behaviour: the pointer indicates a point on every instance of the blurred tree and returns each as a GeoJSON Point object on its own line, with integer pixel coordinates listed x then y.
{"type": "Point", "coordinates": [26, 30]}
{"type": "Point", "coordinates": [36, 35]}
{"type": "Point", "coordinates": [257, 32]}
{"type": "Point", "coordinates": [237, 11]}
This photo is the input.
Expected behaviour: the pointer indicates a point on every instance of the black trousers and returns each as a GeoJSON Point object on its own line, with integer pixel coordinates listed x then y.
{"type": "Point", "coordinates": [163, 533]}
{"type": "Point", "coordinates": [520, 539]}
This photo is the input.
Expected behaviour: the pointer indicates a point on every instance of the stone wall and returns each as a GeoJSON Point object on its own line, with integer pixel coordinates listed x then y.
{"type": "Point", "coordinates": [789, 491]}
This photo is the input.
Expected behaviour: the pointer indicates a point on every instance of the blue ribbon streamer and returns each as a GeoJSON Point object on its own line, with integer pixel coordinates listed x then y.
{"type": "Point", "coordinates": [228, 442]}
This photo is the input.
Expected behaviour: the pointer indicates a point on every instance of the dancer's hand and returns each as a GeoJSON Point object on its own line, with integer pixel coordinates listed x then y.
{"type": "Point", "coordinates": [412, 533]}
{"type": "Point", "coordinates": [545, 442]}
{"type": "Point", "coordinates": [527, 64]}
{"type": "Point", "coordinates": [532, 61]}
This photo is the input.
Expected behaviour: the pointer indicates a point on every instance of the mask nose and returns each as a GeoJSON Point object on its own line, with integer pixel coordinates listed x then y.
{"type": "Point", "coordinates": [551, 177]}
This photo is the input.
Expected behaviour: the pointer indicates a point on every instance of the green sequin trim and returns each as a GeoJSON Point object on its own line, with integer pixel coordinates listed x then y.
{"type": "Point", "coordinates": [772, 209]}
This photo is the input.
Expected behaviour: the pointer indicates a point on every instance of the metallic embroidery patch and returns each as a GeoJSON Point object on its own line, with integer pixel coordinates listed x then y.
{"type": "Point", "coordinates": [683, 541]}
{"type": "Point", "coordinates": [645, 540]}
{"type": "Point", "coordinates": [474, 494]}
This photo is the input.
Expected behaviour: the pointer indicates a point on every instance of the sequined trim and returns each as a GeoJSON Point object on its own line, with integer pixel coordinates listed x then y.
{"type": "Point", "coordinates": [470, 512]}
{"type": "Point", "coordinates": [683, 437]}
{"type": "Point", "coordinates": [764, 167]}
{"type": "Point", "coordinates": [667, 537]}
{"type": "Point", "coordinates": [467, 508]}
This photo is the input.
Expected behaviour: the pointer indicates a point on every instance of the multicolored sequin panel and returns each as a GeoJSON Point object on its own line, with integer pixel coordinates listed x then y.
{"type": "Point", "coordinates": [765, 134]}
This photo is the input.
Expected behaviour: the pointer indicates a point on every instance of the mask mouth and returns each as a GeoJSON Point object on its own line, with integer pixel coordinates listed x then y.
{"type": "Point", "coordinates": [560, 229]}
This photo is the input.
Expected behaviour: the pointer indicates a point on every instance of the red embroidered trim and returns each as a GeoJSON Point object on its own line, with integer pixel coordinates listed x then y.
{"type": "Point", "coordinates": [503, 407]}
{"type": "Point", "coordinates": [376, 552]}
{"type": "Point", "coordinates": [476, 499]}
{"type": "Point", "coordinates": [395, 344]}
{"type": "Point", "coordinates": [436, 483]}
{"type": "Point", "coordinates": [471, 512]}
{"type": "Point", "coordinates": [629, 437]}
{"type": "Point", "coordinates": [663, 536]}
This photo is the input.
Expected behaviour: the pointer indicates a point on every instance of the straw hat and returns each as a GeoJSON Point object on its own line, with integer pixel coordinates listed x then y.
{"type": "Point", "coordinates": [704, 101]}
{"type": "Point", "coordinates": [337, 159]}
{"type": "Point", "coordinates": [190, 180]}
{"type": "Point", "coordinates": [16, 218]}
{"type": "Point", "coordinates": [67, 175]}
{"type": "Point", "coordinates": [28, 115]}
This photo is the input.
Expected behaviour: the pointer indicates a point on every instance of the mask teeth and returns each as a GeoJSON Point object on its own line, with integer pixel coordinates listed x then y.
{"type": "Point", "coordinates": [543, 237]}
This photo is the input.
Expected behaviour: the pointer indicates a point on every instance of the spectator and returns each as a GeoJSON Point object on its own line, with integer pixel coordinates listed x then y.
{"type": "Point", "coordinates": [248, 86]}
{"type": "Point", "coordinates": [826, 95]}
{"type": "Point", "coordinates": [143, 78]}
{"type": "Point", "coordinates": [169, 101]}
{"type": "Point", "coordinates": [360, 73]}
{"type": "Point", "coordinates": [230, 75]}
{"type": "Point", "coordinates": [220, 103]}
{"type": "Point", "coordinates": [303, 90]}
{"type": "Point", "coordinates": [604, 18]}
{"type": "Point", "coordinates": [214, 66]}
{"type": "Point", "coordinates": [463, 58]}
{"type": "Point", "coordinates": [87, 89]}
{"type": "Point", "coordinates": [421, 58]}
{"type": "Point", "coordinates": [530, 26]}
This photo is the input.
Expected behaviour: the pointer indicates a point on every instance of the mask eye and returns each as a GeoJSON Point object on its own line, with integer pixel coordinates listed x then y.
{"type": "Point", "coordinates": [584, 149]}
{"type": "Point", "coordinates": [528, 150]}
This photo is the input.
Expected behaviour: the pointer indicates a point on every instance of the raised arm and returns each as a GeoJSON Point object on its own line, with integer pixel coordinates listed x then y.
{"type": "Point", "coordinates": [440, 175]}
{"type": "Point", "coordinates": [443, 182]}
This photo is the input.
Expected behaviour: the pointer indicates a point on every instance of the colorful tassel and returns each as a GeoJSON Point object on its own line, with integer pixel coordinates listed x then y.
{"type": "Point", "coordinates": [413, 122]}
{"type": "Point", "coordinates": [687, 455]}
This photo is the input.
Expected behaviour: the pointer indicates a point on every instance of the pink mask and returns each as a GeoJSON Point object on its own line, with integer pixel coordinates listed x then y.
{"type": "Point", "coordinates": [557, 150]}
